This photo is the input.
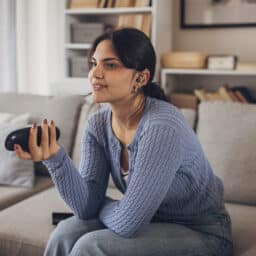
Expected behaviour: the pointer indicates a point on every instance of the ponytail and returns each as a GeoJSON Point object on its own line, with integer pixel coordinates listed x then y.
{"type": "Point", "coordinates": [154, 90]}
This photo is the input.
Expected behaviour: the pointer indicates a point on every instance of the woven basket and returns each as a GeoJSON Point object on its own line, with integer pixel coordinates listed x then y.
{"type": "Point", "coordinates": [183, 60]}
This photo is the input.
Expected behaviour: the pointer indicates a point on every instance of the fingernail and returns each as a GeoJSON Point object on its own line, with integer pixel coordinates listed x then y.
{"type": "Point", "coordinates": [45, 121]}
{"type": "Point", "coordinates": [52, 122]}
{"type": "Point", "coordinates": [16, 146]}
{"type": "Point", "coordinates": [34, 125]}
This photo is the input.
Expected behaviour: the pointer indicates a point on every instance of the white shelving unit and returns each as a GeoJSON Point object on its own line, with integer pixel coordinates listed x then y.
{"type": "Point", "coordinates": [180, 80]}
{"type": "Point", "coordinates": [161, 30]}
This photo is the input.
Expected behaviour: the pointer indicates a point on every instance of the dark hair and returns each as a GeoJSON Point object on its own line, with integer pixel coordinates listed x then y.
{"type": "Point", "coordinates": [135, 51]}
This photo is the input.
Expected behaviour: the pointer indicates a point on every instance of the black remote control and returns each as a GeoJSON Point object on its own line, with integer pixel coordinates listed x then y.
{"type": "Point", "coordinates": [21, 137]}
{"type": "Point", "coordinates": [59, 216]}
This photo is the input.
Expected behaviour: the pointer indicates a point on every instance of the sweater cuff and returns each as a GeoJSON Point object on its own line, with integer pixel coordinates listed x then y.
{"type": "Point", "coordinates": [55, 162]}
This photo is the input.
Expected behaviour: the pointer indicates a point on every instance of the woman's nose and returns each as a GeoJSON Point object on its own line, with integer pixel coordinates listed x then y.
{"type": "Point", "coordinates": [98, 72]}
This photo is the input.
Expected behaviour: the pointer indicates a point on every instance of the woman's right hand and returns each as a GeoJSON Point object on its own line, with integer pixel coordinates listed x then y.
{"type": "Point", "coordinates": [46, 149]}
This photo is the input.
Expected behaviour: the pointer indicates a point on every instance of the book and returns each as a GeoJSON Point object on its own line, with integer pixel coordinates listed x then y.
{"type": "Point", "coordinates": [103, 3]}
{"type": "Point", "coordinates": [124, 3]}
{"type": "Point", "coordinates": [240, 97]}
{"type": "Point", "coordinates": [213, 96]}
{"type": "Point", "coordinates": [223, 92]}
{"type": "Point", "coordinates": [233, 96]}
{"type": "Point", "coordinates": [245, 92]}
{"type": "Point", "coordinates": [146, 24]}
{"type": "Point", "coordinates": [200, 94]}
{"type": "Point", "coordinates": [83, 3]}
{"type": "Point", "coordinates": [142, 3]}
{"type": "Point", "coordinates": [110, 3]}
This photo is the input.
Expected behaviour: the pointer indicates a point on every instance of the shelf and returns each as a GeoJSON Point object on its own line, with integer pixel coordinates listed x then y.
{"type": "Point", "coordinates": [181, 80]}
{"type": "Point", "coordinates": [208, 72]}
{"type": "Point", "coordinates": [107, 11]}
{"type": "Point", "coordinates": [78, 46]}
{"type": "Point", "coordinates": [160, 24]}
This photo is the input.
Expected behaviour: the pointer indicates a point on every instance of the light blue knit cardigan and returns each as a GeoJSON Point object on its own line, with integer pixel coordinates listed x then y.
{"type": "Point", "coordinates": [170, 178]}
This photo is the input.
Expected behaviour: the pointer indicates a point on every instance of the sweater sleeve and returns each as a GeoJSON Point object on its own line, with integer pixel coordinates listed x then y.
{"type": "Point", "coordinates": [83, 190]}
{"type": "Point", "coordinates": [158, 158]}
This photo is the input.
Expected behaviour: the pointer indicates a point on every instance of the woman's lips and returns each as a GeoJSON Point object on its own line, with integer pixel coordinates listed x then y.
{"type": "Point", "coordinates": [98, 87]}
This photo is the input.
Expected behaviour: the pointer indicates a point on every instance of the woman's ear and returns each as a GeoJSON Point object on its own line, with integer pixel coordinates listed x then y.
{"type": "Point", "coordinates": [143, 77]}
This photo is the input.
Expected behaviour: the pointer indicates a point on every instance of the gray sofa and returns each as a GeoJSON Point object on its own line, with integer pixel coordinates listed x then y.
{"type": "Point", "coordinates": [224, 130]}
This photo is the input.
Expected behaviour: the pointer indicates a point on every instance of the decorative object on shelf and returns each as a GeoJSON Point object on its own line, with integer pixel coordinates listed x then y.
{"type": "Point", "coordinates": [217, 14]}
{"type": "Point", "coordinates": [221, 62]}
{"type": "Point", "coordinates": [183, 60]}
{"type": "Point", "coordinates": [85, 32]}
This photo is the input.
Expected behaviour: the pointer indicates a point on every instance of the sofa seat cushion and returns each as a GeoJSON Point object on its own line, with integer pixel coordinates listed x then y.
{"type": "Point", "coordinates": [26, 226]}
{"type": "Point", "coordinates": [11, 195]}
{"type": "Point", "coordinates": [244, 228]}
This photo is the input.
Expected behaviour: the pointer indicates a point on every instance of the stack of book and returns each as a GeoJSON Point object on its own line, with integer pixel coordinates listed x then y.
{"type": "Point", "coordinates": [224, 93]}
{"type": "Point", "coordinates": [139, 21]}
{"type": "Point", "coordinates": [107, 3]}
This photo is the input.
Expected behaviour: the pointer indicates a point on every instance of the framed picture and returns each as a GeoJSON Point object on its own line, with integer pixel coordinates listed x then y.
{"type": "Point", "coordinates": [217, 13]}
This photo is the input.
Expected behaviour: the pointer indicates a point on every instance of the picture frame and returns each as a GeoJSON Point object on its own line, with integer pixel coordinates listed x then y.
{"type": "Point", "coordinates": [207, 14]}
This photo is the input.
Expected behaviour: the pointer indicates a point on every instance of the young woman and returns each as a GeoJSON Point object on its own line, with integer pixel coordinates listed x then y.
{"type": "Point", "coordinates": [172, 202]}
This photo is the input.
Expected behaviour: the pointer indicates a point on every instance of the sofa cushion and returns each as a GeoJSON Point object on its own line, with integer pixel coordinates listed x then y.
{"type": "Point", "coordinates": [243, 228]}
{"type": "Point", "coordinates": [11, 195]}
{"type": "Point", "coordinates": [14, 171]}
{"type": "Point", "coordinates": [28, 233]}
{"type": "Point", "coordinates": [226, 131]}
{"type": "Point", "coordinates": [26, 226]}
{"type": "Point", "coordinates": [13, 118]}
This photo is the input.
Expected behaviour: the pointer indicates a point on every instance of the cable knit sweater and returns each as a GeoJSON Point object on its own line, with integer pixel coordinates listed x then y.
{"type": "Point", "coordinates": [169, 179]}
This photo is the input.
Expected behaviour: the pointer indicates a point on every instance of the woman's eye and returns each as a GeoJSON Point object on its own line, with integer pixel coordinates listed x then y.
{"type": "Point", "coordinates": [93, 64]}
{"type": "Point", "coordinates": [111, 65]}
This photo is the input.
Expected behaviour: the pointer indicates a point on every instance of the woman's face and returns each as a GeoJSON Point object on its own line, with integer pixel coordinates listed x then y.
{"type": "Point", "coordinates": [111, 81]}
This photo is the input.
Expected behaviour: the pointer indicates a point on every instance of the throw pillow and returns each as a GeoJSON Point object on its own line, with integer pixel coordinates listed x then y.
{"type": "Point", "coordinates": [13, 118]}
{"type": "Point", "coordinates": [226, 131]}
{"type": "Point", "coordinates": [14, 171]}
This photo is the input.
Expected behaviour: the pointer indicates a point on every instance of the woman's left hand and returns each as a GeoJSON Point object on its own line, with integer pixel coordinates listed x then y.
{"type": "Point", "coordinates": [46, 149]}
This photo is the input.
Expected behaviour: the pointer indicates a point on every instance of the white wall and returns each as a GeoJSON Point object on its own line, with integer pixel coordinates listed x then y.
{"type": "Point", "coordinates": [237, 41]}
